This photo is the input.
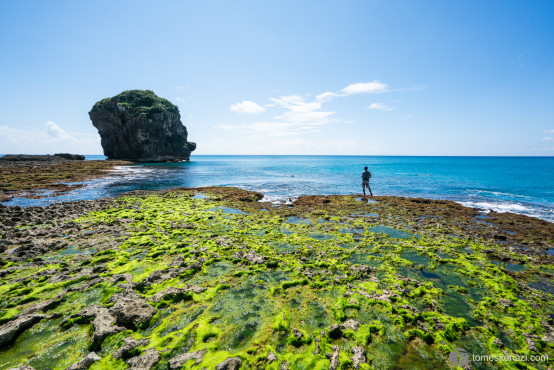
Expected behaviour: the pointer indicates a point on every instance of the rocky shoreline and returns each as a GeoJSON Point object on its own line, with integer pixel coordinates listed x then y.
{"type": "Point", "coordinates": [28, 176]}
{"type": "Point", "coordinates": [213, 277]}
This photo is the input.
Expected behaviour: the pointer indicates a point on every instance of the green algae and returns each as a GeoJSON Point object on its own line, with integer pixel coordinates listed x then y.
{"type": "Point", "coordinates": [420, 298]}
{"type": "Point", "coordinates": [46, 346]}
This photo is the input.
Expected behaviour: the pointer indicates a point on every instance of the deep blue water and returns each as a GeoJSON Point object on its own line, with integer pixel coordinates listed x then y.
{"type": "Point", "coordinates": [517, 184]}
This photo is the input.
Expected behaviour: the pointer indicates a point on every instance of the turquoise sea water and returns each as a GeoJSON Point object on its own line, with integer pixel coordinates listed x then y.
{"type": "Point", "coordinates": [516, 184]}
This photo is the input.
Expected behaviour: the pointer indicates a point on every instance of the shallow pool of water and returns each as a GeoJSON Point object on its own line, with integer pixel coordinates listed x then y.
{"type": "Point", "coordinates": [415, 258]}
{"type": "Point", "coordinates": [45, 346]}
{"type": "Point", "coordinates": [228, 210]}
{"type": "Point", "coordinates": [299, 221]}
{"type": "Point", "coordinates": [319, 236]}
{"type": "Point", "coordinates": [391, 232]}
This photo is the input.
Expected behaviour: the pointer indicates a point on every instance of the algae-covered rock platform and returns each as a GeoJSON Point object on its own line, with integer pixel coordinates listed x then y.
{"type": "Point", "coordinates": [212, 278]}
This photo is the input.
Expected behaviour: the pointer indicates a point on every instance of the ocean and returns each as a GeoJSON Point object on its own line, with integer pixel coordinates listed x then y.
{"type": "Point", "coordinates": [516, 184]}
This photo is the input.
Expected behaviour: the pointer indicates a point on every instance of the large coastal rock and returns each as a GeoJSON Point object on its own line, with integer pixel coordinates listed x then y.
{"type": "Point", "coordinates": [137, 125]}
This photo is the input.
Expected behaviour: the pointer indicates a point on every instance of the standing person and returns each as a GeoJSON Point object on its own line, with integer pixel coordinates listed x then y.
{"type": "Point", "coordinates": [366, 175]}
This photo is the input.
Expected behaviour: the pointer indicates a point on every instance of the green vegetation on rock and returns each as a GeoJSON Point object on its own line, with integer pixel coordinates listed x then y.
{"type": "Point", "coordinates": [138, 102]}
{"type": "Point", "coordinates": [266, 288]}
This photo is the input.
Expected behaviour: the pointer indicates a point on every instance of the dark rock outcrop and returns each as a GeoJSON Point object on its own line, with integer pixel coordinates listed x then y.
{"type": "Point", "coordinates": [334, 357]}
{"type": "Point", "coordinates": [86, 362]}
{"type": "Point", "coordinates": [358, 356]}
{"type": "Point", "coordinates": [102, 322]}
{"type": "Point", "coordinates": [46, 158]}
{"type": "Point", "coordinates": [336, 330]}
{"type": "Point", "coordinates": [232, 363]}
{"type": "Point", "coordinates": [130, 345]}
{"type": "Point", "coordinates": [71, 157]}
{"type": "Point", "coordinates": [130, 309]}
{"type": "Point", "coordinates": [179, 361]}
{"type": "Point", "coordinates": [137, 125]}
{"type": "Point", "coordinates": [177, 294]}
{"type": "Point", "coordinates": [146, 361]}
{"type": "Point", "coordinates": [10, 331]}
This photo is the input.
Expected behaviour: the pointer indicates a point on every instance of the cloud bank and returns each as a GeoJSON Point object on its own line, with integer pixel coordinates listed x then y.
{"type": "Point", "coordinates": [298, 114]}
{"type": "Point", "coordinates": [52, 139]}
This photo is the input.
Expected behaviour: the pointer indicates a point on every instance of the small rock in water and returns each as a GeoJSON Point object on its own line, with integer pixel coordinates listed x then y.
{"type": "Point", "coordinates": [358, 356]}
{"type": "Point", "coordinates": [179, 361]}
{"type": "Point", "coordinates": [130, 344]}
{"type": "Point", "coordinates": [232, 363]}
{"type": "Point", "coordinates": [85, 363]}
{"type": "Point", "coordinates": [146, 361]}
{"type": "Point", "coordinates": [335, 358]}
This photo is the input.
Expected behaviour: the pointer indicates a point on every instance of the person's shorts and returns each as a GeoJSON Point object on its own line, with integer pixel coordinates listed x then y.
{"type": "Point", "coordinates": [365, 183]}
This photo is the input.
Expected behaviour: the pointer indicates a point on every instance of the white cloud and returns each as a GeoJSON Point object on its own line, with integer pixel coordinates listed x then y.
{"type": "Point", "coordinates": [551, 131]}
{"type": "Point", "coordinates": [547, 138]}
{"type": "Point", "coordinates": [300, 111]}
{"type": "Point", "coordinates": [51, 139]}
{"type": "Point", "coordinates": [326, 96]}
{"type": "Point", "coordinates": [380, 106]}
{"type": "Point", "coordinates": [301, 114]}
{"type": "Point", "coordinates": [374, 87]}
{"type": "Point", "coordinates": [56, 132]}
{"type": "Point", "coordinates": [247, 106]}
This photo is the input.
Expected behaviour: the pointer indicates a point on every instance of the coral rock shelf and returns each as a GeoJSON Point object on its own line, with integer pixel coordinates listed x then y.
{"type": "Point", "coordinates": [171, 280]}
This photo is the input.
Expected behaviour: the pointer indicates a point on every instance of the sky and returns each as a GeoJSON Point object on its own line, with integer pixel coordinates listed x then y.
{"type": "Point", "coordinates": [286, 77]}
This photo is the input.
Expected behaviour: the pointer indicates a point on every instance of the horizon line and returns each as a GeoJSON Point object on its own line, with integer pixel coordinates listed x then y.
{"type": "Point", "coordinates": [340, 155]}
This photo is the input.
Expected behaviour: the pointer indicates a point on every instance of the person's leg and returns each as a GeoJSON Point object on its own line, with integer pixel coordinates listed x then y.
{"type": "Point", "coordinates": [369, 188]}
{"type": "Point", "coordinates": [363, 187]}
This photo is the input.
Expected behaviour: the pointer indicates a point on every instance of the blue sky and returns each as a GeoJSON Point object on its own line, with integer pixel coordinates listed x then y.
{"type": "Point", "coordinates": [287, 77]}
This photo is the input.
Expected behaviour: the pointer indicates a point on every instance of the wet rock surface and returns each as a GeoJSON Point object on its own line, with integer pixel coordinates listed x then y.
{"type": "Point", "coordinates": [160, 280]}
{"type": "Point", "coordinates": [232, 363]}
{"type": "Point", "coordinates": [176, 294]}
{"type": "Point", "coordinates": [85, 363]}
{"type": "Point", "coordinates": [130, 345]}
{"type": "Point", "coordinates": [10, 331]}
{"type": "Point", "coordinates": [179, 361]}
{"type": "Point", "coordinates": [334, 358]}
{"type": "Point", "coordinates": [148, 360]}
{"type": "Point", "coordinates": [38, 176]}
{"type": "Point", "coordinates": [358, 356]}
{"type": "Point", "coordinates": [130, 309]}
{"type": "Point", "coordinates": [102, 322]}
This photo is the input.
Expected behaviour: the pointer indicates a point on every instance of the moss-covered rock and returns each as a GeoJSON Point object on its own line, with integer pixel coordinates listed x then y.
{"type": "Point", "coordinates": [333, 298]}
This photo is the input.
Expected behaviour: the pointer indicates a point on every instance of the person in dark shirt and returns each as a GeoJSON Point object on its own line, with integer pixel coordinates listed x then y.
{"type": "Point", "coordinates": [366, 175]}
